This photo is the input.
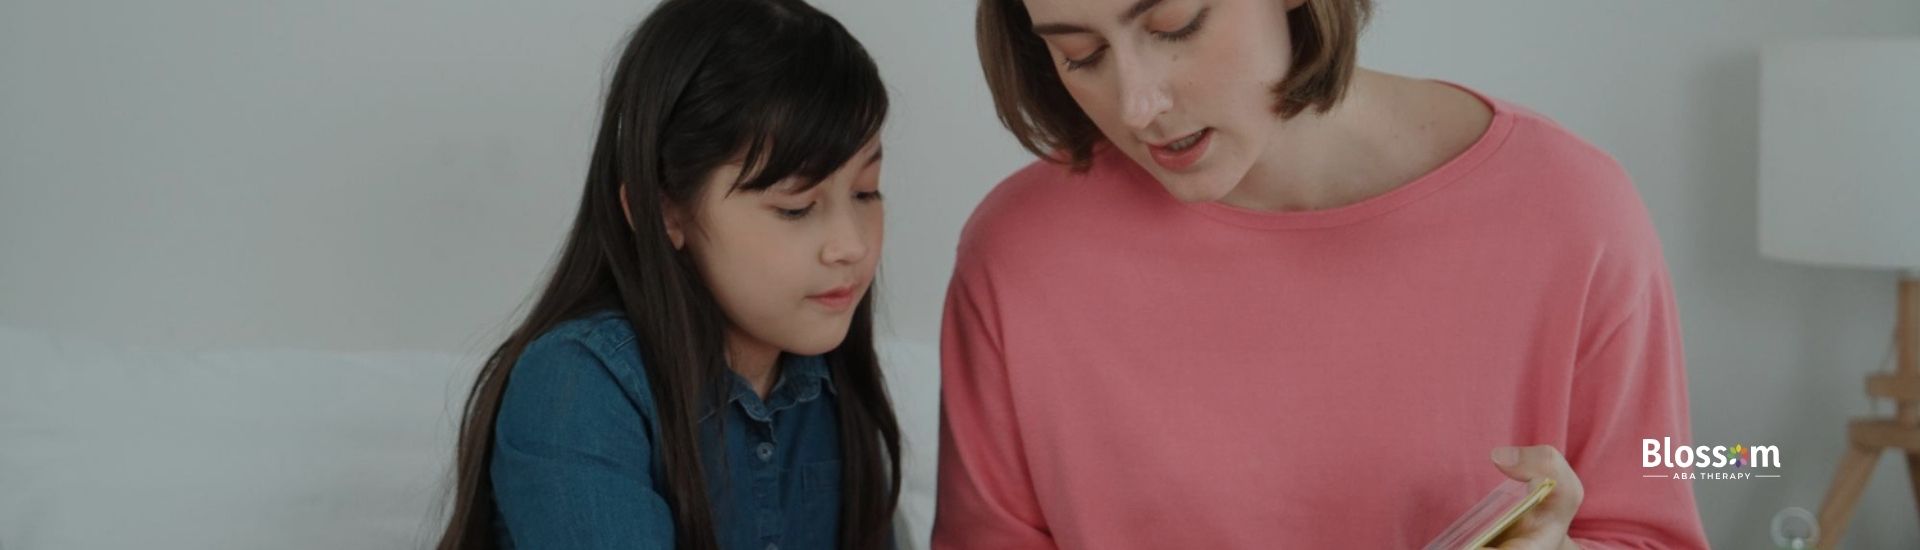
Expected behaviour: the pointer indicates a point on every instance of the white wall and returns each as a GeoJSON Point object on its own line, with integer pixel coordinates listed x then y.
{"type": "Point", "coordinates": [361, 175]}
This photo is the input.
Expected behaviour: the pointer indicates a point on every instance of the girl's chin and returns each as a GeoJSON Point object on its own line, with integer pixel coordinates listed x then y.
{"type": "Point", "coordinates": [817, 344]}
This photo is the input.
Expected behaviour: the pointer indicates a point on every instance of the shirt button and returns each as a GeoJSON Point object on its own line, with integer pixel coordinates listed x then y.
{"type": "Point", "coordinates": [766, 453]}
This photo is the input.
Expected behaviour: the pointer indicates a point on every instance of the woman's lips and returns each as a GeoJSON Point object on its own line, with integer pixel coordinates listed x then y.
{"type": "Point", "coordinates": [1173, 160]}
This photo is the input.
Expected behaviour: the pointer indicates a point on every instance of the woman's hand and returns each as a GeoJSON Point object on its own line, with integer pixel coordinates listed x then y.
{"type": "Point", "coordinates": [1545, 526]}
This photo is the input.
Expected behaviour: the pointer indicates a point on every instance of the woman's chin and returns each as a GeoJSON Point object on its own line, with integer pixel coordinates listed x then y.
{"type": "Point", "coordinates": [1195, 188]}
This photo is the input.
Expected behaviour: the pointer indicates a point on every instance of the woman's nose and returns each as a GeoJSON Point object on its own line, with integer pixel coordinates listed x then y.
{"type": "Point", "coordinates": [1143, 94]}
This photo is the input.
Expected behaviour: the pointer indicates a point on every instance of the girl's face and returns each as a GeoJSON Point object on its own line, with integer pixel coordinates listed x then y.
{"type": "Point", "coordinates": [788, 267]}
{"type": "Point", "coordinates": [1183, 87]}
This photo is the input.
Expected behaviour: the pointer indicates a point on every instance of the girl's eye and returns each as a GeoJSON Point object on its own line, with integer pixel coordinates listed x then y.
{"type": "Point", "coordinates": [867, 196]}
{"type": "Point", "coordinates": [794, 214]}
{"type": "Point", "coordinates": [1088, 61]}
{"type": "Point", "coordinates": [1183, 33]}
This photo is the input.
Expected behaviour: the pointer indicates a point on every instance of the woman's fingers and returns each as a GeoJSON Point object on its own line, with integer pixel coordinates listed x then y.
{"type": "Point", "coordinates": [1545, 525]}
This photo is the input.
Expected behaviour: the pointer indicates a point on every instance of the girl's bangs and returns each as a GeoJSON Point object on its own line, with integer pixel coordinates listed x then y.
{"type": "Point", "coordinates": [822, 104]}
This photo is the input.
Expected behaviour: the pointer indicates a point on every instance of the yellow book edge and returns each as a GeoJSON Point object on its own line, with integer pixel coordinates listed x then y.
{"type": "Point", "coordinates": [1538, 493]}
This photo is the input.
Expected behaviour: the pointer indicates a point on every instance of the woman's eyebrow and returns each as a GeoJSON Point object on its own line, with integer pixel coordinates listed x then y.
{"type": "Point", "coordinates": [1139, 8]}
{"type": "Point", "coordinates": [1133, 12]}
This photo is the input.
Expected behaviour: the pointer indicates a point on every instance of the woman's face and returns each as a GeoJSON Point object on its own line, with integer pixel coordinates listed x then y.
{"type": "Point", "coordinates": [1184, 87]}
{"type": "Point", "coordinates": [788, 267]}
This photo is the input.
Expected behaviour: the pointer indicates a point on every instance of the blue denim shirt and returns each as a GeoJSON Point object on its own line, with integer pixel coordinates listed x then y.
{"type": "Point", "coordinates": [575, 464]}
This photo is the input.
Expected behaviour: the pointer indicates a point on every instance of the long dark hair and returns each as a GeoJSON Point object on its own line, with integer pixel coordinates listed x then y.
{"type": "Point", "coordinates": [700, 83]}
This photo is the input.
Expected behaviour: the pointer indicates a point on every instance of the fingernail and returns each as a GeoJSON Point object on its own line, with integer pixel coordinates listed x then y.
{"type": "Point", "coordinates": [1506, 456]}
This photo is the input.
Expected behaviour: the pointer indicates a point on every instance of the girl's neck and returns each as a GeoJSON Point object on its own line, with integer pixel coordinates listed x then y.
{"type": "Point", "coordinates": [756, 361]}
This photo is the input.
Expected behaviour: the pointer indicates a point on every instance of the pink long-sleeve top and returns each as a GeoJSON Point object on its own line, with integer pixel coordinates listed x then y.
{"type": "Point", "coordinates": [1122, 370]}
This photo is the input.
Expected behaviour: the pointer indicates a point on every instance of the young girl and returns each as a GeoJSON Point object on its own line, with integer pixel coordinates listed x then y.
{"type": "Point", "coordinates": [1257, 297]}
{"type": "Point", "coordinates": [699, 372]}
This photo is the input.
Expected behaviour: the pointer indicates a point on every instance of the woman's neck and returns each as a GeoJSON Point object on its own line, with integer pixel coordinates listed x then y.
{"type": "Point", "coordinates": [756, 361]}
{"type": "Point", "coordinates": [1386, 131]}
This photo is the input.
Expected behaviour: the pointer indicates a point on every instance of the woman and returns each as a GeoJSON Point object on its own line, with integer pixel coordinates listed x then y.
{"type": "Point", "coordinates": [1254, 296]}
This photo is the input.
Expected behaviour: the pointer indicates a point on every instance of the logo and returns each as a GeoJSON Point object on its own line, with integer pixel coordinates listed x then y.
{"type": "Point", "coordinates": [1738, 461]}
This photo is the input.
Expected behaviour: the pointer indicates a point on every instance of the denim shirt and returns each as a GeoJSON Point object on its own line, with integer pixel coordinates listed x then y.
{"type": "Point", "coordinates": [575, 463]}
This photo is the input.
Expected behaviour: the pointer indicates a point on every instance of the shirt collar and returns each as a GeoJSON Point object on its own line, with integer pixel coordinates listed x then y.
{"type": "Point", "coordinates": [802, 378]}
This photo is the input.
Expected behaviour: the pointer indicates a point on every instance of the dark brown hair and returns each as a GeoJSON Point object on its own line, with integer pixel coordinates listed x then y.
{"type": "Point", "coordinates": [700, 83]}
{"type": "Point", "coordinates": [1035, 106]}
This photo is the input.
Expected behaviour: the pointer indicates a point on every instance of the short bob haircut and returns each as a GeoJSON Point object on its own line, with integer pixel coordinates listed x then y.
{"type": "Point", "coordinates": [1035, 106]}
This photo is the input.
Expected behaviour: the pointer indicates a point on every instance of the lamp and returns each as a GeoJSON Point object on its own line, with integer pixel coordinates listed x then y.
{"type": "Point", "coordinates": [1840, 186]}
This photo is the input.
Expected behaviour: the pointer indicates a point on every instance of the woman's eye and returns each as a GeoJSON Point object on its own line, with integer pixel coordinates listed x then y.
{"type": "Point", "coordinates": [794, 213]}
{"type": "Point", "coordinates": [867, 196]}
{"type": "Point", "coordinates": [1087, 61]}
{"type": "Point", "coordinates": [1183, 33]}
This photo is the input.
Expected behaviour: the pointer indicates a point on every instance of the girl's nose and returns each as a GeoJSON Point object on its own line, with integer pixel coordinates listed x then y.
{"type": "Point", "coordinates": [847, 242]}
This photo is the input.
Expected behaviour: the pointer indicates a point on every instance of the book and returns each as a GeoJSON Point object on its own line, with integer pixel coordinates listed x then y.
{"type": "Point", "coordinates": [1492, 515]}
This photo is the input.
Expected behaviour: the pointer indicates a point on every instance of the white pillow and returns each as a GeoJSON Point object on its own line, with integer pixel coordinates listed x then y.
{"type": "Point", "coordinates": [103, 446]}
{"type": "Point", "coordinates": [107, 447]}
{"type": "Point", "coordinates": [913, 379]}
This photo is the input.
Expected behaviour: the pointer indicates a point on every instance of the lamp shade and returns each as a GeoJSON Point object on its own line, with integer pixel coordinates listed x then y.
{"type": "Point", "coordinates": [1840, 153]}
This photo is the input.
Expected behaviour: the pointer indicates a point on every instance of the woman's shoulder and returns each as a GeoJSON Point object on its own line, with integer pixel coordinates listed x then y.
{"type": "Point", "coordinates": [1025, 192]}
{"type": "Point", "coordinates": [1540, 146]}
{"type": "Point", "coordinates": [1047, 197]}
{"type": "Point", "coordinates": [1593, 206]}
{"type": "Point", "coordinates": [1556, 172]}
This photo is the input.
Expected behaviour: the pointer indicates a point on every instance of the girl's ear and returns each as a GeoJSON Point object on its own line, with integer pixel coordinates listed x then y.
{"type": "Point", "coordinates": [626, 211]}
{"type": "Point", "coordinates": [668, 214]}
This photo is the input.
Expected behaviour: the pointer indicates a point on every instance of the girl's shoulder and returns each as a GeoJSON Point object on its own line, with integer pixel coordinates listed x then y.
{"type": "Point", "coordinates": [605, 330]}
{"type": "Point", "coordinates": [594, 349]}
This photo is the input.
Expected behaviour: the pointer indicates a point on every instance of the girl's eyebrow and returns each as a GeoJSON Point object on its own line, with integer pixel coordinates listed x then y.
{"type": "Point", "coordinates": [791, 183]}
{"type": "Point", "coordinates": [1045, 29]}
{"type": "Point", "coordinates": [1133, 12]}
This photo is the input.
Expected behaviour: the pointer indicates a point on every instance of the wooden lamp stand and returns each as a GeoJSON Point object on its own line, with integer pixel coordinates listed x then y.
{"type": "Point", "coordinates": [1867, 437]}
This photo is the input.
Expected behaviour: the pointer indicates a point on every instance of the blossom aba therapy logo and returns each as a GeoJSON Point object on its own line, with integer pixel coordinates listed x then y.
{"type": "Point", "coordinates": [1738, 461]}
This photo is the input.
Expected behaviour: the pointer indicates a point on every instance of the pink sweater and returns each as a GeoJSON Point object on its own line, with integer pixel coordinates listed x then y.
{"type": "Point", "coordinates": [1122, 370]}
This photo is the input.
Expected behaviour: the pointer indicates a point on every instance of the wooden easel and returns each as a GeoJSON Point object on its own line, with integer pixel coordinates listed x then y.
{"type": "Point", "coordinates": [1868, 436]}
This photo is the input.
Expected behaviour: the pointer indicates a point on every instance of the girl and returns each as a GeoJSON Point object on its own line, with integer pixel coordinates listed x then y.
{"type": "Point", "coordinates": [699, 371]}
{"type": "Point", "coordinates": [1256, 297]}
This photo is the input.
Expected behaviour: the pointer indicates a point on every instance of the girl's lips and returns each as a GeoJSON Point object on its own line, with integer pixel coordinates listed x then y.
{"type": "Point", "coordinates": [1180, 160]}
{"type": "Point", "coordinates": [836, 299]}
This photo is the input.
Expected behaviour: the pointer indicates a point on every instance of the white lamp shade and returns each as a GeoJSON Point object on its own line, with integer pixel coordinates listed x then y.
{"type": "Point", "coordinates": [1840, 153]}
